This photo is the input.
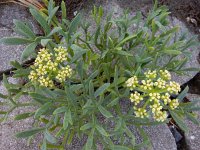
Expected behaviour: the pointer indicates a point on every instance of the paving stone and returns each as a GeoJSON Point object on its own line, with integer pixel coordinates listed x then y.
{"type": "Point", "coordinates": [118, 6]}
{"type": "Point", "coordinates": [10, 127]}
{"type": "Point", "coordinates": [8, 53]}
{"type": "Point", "coordinates": [195, 50]}
{"type": "Point", "coordinates": [8, 13]}
{"type": "Point", "coordinates": [161, 137]}
{"type": "Point", "coordinates": [193, 136]}
{"type": "Point", "coordinates": [13, 11]}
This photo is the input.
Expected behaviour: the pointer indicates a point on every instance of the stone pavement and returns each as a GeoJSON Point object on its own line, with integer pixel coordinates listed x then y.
{"type": "Point", "coordinates": [161, 136]}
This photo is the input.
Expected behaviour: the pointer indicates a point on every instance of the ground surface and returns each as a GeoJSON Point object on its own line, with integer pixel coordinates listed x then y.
{"type": "Point", "coordinates": [161, 136]}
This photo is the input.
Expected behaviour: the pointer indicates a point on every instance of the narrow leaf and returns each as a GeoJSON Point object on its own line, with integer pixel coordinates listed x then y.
{"type": "Point", "coordinates": [28, 51]}
{"type": "Point", "coordinates": [28, 133]}
{"type": "Point", "coordinates": [104, 112]}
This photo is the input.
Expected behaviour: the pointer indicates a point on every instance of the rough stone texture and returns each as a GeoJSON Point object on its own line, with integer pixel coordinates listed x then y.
{"type": "Point", "coordinates": [13, 11]}
{"type": "Point", "coordinates": [8, 13]}
{"type": "Point", "coordinates": [10, 127]}
{"type": "Point", "coordinates": [117, 7]}
{"type": "Point", "coordinates": [193, 136]}
{"type": "Point", "coordinates": [8, 53]}
{"type": "Point", "coordinates": [193, 61]}
{"type": "Point", "coordinates": [161, 137]}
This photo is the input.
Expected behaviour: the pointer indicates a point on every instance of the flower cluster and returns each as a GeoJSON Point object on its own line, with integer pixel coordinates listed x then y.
{"type": "Point", "coordinates": [152, 94]}
{"type": "Point", "coordinates": [50, 66]}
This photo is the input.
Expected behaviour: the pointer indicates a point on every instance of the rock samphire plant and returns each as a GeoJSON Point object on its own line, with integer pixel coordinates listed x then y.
{"type": "Point", "coordinates": [98, 78]}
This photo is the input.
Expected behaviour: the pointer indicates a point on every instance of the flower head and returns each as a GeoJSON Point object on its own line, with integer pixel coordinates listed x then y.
{"type": "Point", "coordinates": [147, 84]}
{"type": "Point", "coordinates": [154, 93]}
{"type": "Point", "coordinates": [141, 112]}
{"type": "Point", "coordinates": [132, 82]}
{"type": "Point", "coordinates": [136, 98]}
{"type": "Point", "coordinates": [151, 74]}
{"type": "Point", "coordinates": [173, 87]}
{"type": "Point", "coordinates": [50, 66]}
{"type": "Point", "coordinates": [174, 104]}
{"type": "Point", "coordinates": [164, 74]}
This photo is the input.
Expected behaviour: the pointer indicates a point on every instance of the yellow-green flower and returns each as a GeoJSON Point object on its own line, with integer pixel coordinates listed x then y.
{"type": "Point", "coordinates": [166, 98]}
{"type": "Point", "coordinates": [147, 84]}
{"type": "Point", "coordinates": [160, 116]}
{"type": "Point", "coordinates": [151, 74]}
{"type": "Point", "coordinates": [132, 82]}
{"type": "Point", "coordinates": [155, 92]}
{"type": "Point", "coordinates": [141, 112]}
{"type": "Point", "coordinates": [160, 83]}
{"type": "Point", "coordinates": [49, 67]}
{"type": "Point", "coordinates": [173, 87]}
{"type": "Point", "coordinates": [164, 74]}
{"type": "Point", "coordinates": [174, 104]}
{"type": "Point", "coordinates": [136, 98]}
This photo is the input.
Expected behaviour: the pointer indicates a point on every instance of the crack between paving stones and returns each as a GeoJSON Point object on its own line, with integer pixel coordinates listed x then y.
{"type": "Point", "coordinates": [9, 72]}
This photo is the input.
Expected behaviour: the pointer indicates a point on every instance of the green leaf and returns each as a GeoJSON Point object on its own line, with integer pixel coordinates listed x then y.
{"type": "Point", "coordinates": [191, 117]}
{"type": "Point", "coordinates": [179, 121]}
{"type": "Point", "coordinates": [23, 116]}
{"type": "Point", "coordinates": [28, 51]}
{"type": "Point", "coordinates": [15, 41]}
{"type": "Point", "coordinates": [101, 130]}
{"type": "Point", "coordinates": [44, 145]}
{"type": "Point", "coordinates": [52, 14]}
{"type": "Point", "coordinates": [67, 119]}
{"type": "Point", "coordinates": [78, 52]}
{"type": "Point", "coordinates": [55, 30]}
{"type": "Point", "coordinates": [121, 52]}
{"type": "Point", "coordinates": [86, 127]}
{"type": "Point", "coordinates": [101, 89]}
{"type": "Point", "coordinates": [44, 42]}
{"type": "Point", "coordinates": [172, 52]}
{"type": "Point", "coordinates": [23, 29]}
{"type": "Point", "coordinates": [120, 147]}
{"type": "Point", "coordinates": [39, 98]}
{"type": "Point", "coordinates": [60, 110]}
{"type": "Point", "coordinates": [104, 112]}
{"type": "Point", "coordinates": [64, 11]}
{"type": "Point", "coordinates": [113, 102]}
{"type": "Point", "coordinates": [49, 137]}
{"type": "Point", "coordinates": [74, 24]}
{"type": "Point", "coordinates": [44, 108]}
{"type": "Point", "coordinates": [183, 93]}
{"type": "Point", "coordinates": [126, 39]}
{"type": "Point", "coordinates": [69, 116]}
{"type": "Point", "coordinates": [28, 133]}
{"type": "Point", "coordinates": [89, 143]}
{"type": "Point", "coordinates": [41, 20]}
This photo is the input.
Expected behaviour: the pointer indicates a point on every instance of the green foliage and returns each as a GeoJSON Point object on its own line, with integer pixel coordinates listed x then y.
{"type": "Point", "coordinates": [89, 102]}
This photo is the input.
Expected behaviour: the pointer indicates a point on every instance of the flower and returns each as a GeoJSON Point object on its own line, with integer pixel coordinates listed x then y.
{"type": "Point", "coordinates": [160, 116]}
{"type": "Point", "coordinates": [154, 96]}
{"type": "Point", "coordinates": [50, 66]}
{"type": "Point", "coordinates": [47, 82]}
{"type": "Point", "coordinates": [141, 112]}
{"type": "Point", "coordinates": [151, 74]}
{"type": "Point", "coordinates": [64, 73]}
{"type": "Point", "coordinates": [166, 98]}
{"type": "Point", "coordinates": [156, 107]}
{"type": "Point", "coordinates": [132, 82]}
{"type": "Point", "coordinates": [136, 98]}
{"type": "Point", "coordinates": [153, 92]}
{"type": "Point", "coordinates": [147, 84]}
{"type": "Point", "coordinates": [165, 75]}
{"type": "Point", "coordinates": [160, 83]}
{"type": "Point", "coordinates": [174, 104]}
{"type": "Point", "coordinates": [173, 87]}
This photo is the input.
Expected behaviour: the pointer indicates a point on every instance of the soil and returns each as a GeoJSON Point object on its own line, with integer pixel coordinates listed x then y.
{"type": "Point", "coordinates": [187, 11]}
